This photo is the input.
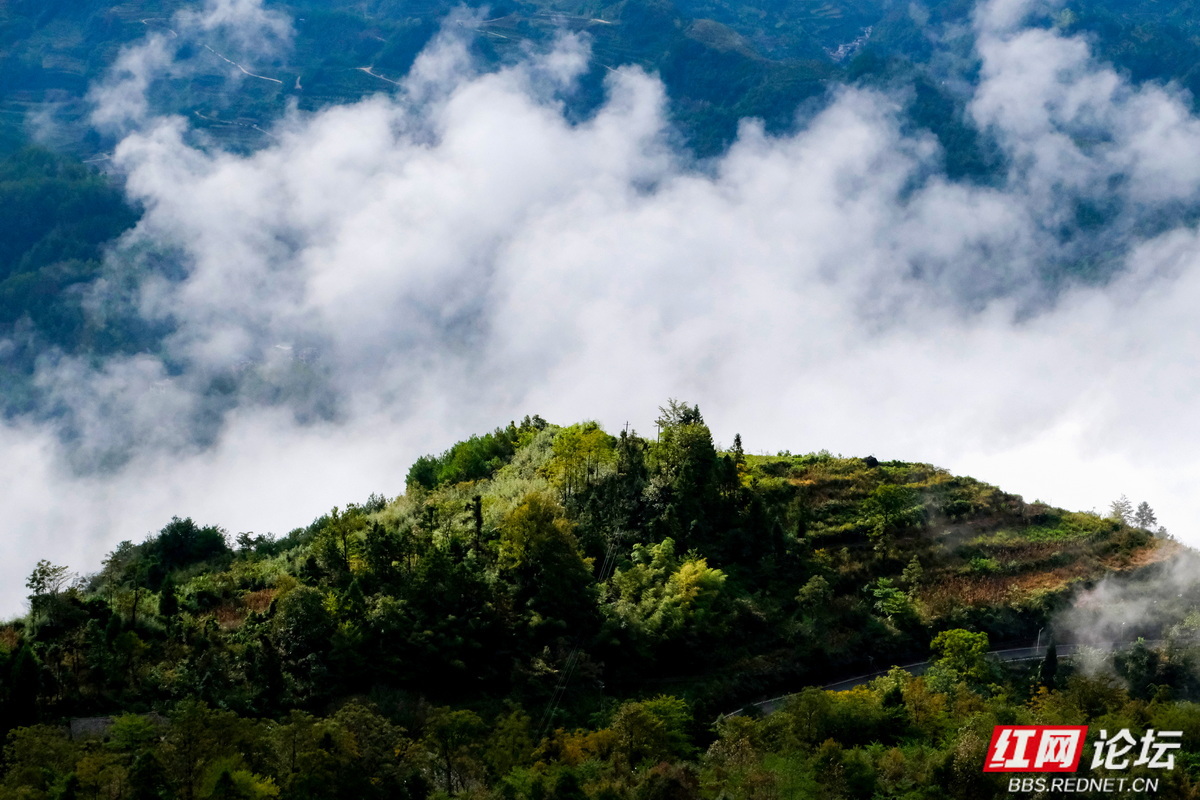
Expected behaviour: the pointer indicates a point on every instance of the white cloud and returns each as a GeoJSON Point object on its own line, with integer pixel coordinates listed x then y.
{"type": "Point", "coordinates": [241, 28]}
{"type": "Point", "coordinates": [392, 275]}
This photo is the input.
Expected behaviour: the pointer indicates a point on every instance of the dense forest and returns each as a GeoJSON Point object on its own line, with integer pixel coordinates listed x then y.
{"type": "Point", "coordinates": [558, 612]}
{"type": "Point", "coordinates": [57, 219]}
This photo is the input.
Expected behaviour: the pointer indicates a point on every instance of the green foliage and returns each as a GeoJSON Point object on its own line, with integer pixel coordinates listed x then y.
{"type": "Point", "coordinates": [510, 744]}
{"type": "Point", "coordinates": [891, 508]}
{"type": "Point", "coordinates": [432, 631]}
{"type": "Point", "coordinates": [1121, 510]}
{"type": "Point", "coordinates": [962, 654]}
{"type": "Point", "coordinates": [661, 596]}
{"type": "Point", "coordinates": [147, 778]}
{"type": "Point", "coordinates": [1139, 666]}
{"type": "Point", "coordinates": [650, 731]}
{"type": "Point", "coordinates": [985, 565]}
{"type": "Point", "coordinates": [301, 632]}
{"type": "Point", "coordinates": [47, 578]}
{"type": "Point", "coordinates": [168, 601]}
{"type": "Point", "coordinates": [689, 485]}
{"type": "Point", "coordinates": [37, 757]}
{"type": "Point", "coordinates": [338, 541]}
{"type": "Point", "coordinates": [1048, 669]}
{"type": "Point", "coordinates": [474, 459]}
{"type": "Point", "coordinates": [55, 216]}
{"type": "Point", "coordinates": [453, 738]}
{"type": "Point", "coordinates": [540, 554]}
{"type": "Point", "coordinates": [180, 544]}
{"type": "Point", "coordinates": [913, 575]}
{"type": "Point", "coordinates": [24, 686]}
{"type": "Point", "coordinates": [581, 452]}
{"type": "Point", "coordinates": [890, 601]}
{"type": "Point", "coordinates": [815, 594]}
{"type": "Point", "coordinates": [1145, 517]}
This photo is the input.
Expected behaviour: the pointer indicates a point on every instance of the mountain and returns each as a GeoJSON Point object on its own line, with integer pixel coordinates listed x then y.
{"type": "Point", "coordinates": [540, 570]}
{"type": "Point", "coordinates": [720, 62]}
{"type": "Point", "coordinates": [555, 611]}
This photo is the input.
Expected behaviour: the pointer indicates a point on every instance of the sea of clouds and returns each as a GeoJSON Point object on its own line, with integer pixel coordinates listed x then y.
{"type": "Point", "coordinates": [386, 277]}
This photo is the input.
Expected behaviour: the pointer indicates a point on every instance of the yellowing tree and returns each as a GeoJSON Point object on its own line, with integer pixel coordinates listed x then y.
{"type": "Point", "coordinates": [580, 453]}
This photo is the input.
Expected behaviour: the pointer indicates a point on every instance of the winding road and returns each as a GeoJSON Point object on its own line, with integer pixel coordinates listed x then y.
{"type": "Point", "coordinates": [1009, 655]}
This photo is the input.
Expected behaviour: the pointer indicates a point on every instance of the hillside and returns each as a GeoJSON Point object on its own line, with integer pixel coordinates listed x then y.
{"type": "Point", "coordinates": [559, 570]}
{"type": "Point", "coordinates": [720, 62]}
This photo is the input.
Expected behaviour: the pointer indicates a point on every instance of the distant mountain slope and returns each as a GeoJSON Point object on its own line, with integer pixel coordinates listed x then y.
{"type": "Point", "coordinates": [786, 52]}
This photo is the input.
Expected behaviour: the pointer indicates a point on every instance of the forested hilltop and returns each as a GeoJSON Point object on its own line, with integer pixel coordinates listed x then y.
{"type": "Point", "coordinates": [557, 612]}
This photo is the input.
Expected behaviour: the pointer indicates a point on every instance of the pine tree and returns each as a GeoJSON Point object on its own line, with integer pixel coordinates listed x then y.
{"type": "Point", "coordinates": [69, 789]}
{"type": "Point", "coordinates": [1121, 510]}
{"type": "Point", "coordinates": [168, 601]}
{"type": "Point", "coordinates": [567, 787]}
{"type": "Point", "coordinates": [25, 676]}
{"type": "Point", "coordinates": [225, 788]}
{"type": "Point", "coordinates": [913, 575]}
{"type": "Point", "coordinates": [1050, 666]}
{"type": "Point", "coordinates": [1145, 518]}
{"type": "Point", "coordinates": [147, 778]}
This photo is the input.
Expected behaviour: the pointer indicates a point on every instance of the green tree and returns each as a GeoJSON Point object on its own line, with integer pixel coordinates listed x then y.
{"type": "Point", "coordinates": [890, 601]}
{"type": "Point", "coordinates": [962, 653]}
{"type": "Point", "coordinates": [388, 552]}
{"type": "Point", "coordinates": [567, 787]}
{"type": "Point", "coordinates": [661, 596]}
{"type": "Point", "coordinates": [649, 731]}
{"type": "Point", "coordinates": [378, 761]}
{"type": "Point", "coordinates": [539, 552]}
{"type": "Point", "coordinates": [225, 788]}
{"type": "Point", "coordinates": [890, 508]}
{"type": "Point", "coordinates": [1048, 671]}
{"type": "Point", "coordinates": [200, 742]}
{"type": "Point", "coordinates": [36, 758]}
{"type": "Point", "coordinates": [46, 606]}
{"type": "Point", "coordinates": [47, 579]}
{"type": "Point", "coordinates": [913, 576]}
{"type": "Point", "coordinates": [339, 542]}
{"type": "Point", "coordinates": [1144, 517]}
{"type": "Point", "coordinates": [147, 778]}
{"type": "Point", "coordinates": [580, 453]}
{"type": "Point", "coordinates": [181, 543]}
{"type": "Point", "coordinates": [68, 789]}
{"type": "Point", "coordinates": [1139, 666]}
{"type": "Point", "coordinates": [24, 685]}
{"type": "Point", "coordinates": [132, 733]}
{"type": "Point", "coordinates": [814, 596]}
{"type": "Point", "coordinates": [1121, 510]}
{"type": "Point", "coordinates": [685, 475]}
{"type": "Point", "coordinates": [510, 743]}
{"type": "Point", "coordinates": [168, 601]}
{"type": "Point", "coordinates": [455, 741]}
{"type": "Point", "coordinates": [301, 632]}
